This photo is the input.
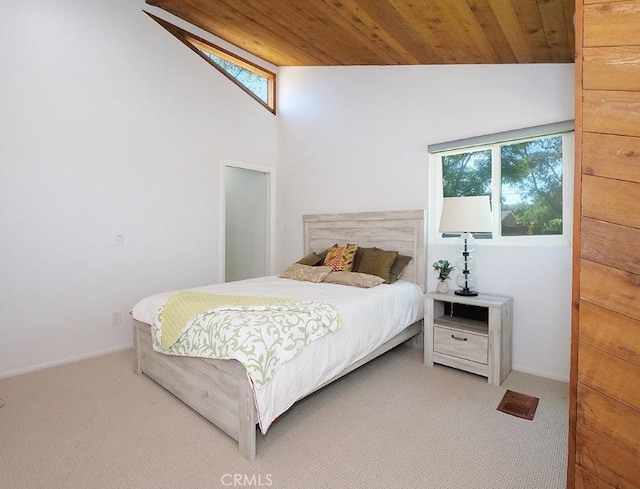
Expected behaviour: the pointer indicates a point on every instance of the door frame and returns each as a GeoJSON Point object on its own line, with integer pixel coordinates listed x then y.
{"type": "Point", "coordinates": [271, 221]}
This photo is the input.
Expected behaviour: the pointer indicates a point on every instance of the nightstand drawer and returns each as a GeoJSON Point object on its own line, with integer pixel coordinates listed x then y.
{"type": "Point", "coordinates": [461, 344]}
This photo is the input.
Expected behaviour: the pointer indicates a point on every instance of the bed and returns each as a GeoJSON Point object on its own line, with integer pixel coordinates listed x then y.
{"type": "Point", "coordinates": [221, 391]}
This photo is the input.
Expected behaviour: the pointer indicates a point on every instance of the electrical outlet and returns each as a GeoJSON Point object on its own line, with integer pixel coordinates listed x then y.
{"type": "Point", "coordinates": [119, 239]}
{"type": "Point", "coordinates": [115, 318]}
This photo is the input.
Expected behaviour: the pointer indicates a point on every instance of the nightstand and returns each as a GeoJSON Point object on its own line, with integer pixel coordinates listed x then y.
{"type": "Point", "coordinates": [469, 333]}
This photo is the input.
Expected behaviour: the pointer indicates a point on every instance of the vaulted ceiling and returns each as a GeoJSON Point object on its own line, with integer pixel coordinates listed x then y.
{"type": "Point", "coordinates": [388, 32]}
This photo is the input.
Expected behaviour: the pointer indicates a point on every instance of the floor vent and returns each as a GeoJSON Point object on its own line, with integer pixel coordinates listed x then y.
{"type": "Point", "coordinates": [520, 405]}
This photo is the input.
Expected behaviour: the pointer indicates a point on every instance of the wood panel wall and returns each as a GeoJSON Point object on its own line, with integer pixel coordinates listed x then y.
{"type": "Point", "coordinates": [604, 430]}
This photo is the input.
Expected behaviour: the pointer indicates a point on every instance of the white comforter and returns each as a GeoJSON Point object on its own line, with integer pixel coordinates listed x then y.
{"type": "Point", "coordinates": [370, 317]}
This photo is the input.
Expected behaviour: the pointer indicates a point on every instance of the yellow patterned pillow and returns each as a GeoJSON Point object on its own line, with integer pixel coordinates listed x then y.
{"type": "Point", "coordinates": [341, 258]}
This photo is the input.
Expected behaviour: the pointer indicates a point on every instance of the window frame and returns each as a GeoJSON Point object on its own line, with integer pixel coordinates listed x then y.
{"type": "Point", "coordinates": [198, 44]}
{"type": "Point", "coordinates": [201, 44]}
{"type": "Point", "coordinates": [436, 194]}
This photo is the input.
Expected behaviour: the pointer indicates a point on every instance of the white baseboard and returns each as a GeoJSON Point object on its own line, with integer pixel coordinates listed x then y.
{"type": "Point", "coordinates": [13, 373]}
{"type": "Point", "coordinates": [538, 373]}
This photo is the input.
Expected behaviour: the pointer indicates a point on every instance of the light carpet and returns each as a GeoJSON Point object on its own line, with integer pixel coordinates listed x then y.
{"type": "Point", "coordinates": [393, 423]}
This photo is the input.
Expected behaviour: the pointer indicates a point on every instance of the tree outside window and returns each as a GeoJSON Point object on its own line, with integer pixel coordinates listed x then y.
{"type": "Point", "coordinates": [531, 186]}
{"type": "Point", "coordinates": [256, 83]}
{"type": "Point", "coordinates": [523, 179]}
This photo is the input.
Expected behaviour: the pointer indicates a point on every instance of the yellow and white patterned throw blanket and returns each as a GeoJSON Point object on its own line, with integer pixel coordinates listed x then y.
{"type": "Point", "coordinates": [260, 332]}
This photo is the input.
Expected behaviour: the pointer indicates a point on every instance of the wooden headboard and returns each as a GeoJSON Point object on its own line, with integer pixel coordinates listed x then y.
{"type": "Point", "coordinates": [401, 231]}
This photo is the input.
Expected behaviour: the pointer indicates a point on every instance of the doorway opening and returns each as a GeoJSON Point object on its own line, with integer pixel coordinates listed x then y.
{"type": "Point", "coordinates": [248, 221]}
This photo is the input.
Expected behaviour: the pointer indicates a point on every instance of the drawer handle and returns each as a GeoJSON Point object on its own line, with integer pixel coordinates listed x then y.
{"type": "Point", "coordinates": [457, 338]}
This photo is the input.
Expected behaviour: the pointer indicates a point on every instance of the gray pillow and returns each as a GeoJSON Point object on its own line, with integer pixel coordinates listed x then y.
{"type": "Point", "coordinates": [398, 267]}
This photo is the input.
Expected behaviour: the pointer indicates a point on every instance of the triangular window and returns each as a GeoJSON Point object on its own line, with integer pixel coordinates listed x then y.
{"type": "Point", "coordinates": [254, 80]}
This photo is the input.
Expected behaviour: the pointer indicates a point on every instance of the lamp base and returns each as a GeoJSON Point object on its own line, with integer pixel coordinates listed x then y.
{"type": "Point", "coordinates": [466, 292]}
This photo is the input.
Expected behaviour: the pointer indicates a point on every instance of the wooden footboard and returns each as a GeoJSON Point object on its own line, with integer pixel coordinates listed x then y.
{"type": "Point", "coordinates": [217, 389]}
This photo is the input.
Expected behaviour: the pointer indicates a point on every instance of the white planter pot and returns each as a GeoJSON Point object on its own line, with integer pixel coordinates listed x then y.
{"type": "Point", "coordinates": [442, 287]}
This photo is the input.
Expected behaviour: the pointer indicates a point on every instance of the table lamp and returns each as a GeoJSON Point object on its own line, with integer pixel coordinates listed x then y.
{"type": "Point", "coordinates": [466, 215]}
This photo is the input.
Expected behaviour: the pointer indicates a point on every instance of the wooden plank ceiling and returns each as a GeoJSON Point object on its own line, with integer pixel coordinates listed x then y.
{"type": "Point", "coordinates": [388, 32]}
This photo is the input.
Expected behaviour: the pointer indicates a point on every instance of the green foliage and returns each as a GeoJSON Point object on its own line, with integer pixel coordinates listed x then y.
{"type": "Point", "coordinates": [534, 168]}
{"type": "Point", "coordinates": [531, 182]}
{"type": "Point", "coordinates": [467, 174]}
{"type": "Point", "coordinates": [444, 269]}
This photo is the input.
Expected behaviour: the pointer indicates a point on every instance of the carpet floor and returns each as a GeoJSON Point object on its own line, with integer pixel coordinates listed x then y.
{"type": "Point", "coordinates": [393, 423]}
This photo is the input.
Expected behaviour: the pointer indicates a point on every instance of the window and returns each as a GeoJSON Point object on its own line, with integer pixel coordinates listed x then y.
{"type": "Point", "coordinates": [528, 179]}
{"type": "Point", "coordinates": [257, 82]}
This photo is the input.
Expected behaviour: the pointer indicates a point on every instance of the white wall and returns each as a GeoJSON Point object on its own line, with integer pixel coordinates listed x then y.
{"type": "Point", "coordinates": [355, 139]}
{"type": "Point", "coordinates": [108, 124]}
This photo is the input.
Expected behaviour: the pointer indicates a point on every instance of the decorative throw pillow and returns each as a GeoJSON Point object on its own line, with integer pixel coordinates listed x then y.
{"type": "Point", "coordinates": [358, 259]}
{"type": "Point", "coordinates": [305, 273]}
{"type": "Point", "coordinates": [354, 279]}
{"type": "Point", "coordinates": [341, 258]}
{"type": "Point", "coordinates": [323, 254]}
{"type": "Point", "coordinates": [378, 262]}
{"type": "Point", "coordinates": [398, 267]}
{"type": "Point", "coordinates": [311, 259]}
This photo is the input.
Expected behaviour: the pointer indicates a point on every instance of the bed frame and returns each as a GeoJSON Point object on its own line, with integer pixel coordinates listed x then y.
{"type": "Point", "coordinates": [219, 389]}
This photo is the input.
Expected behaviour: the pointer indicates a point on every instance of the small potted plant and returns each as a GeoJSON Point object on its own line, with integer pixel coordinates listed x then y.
{"type": "Point", "coordinates": [444, 269]}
